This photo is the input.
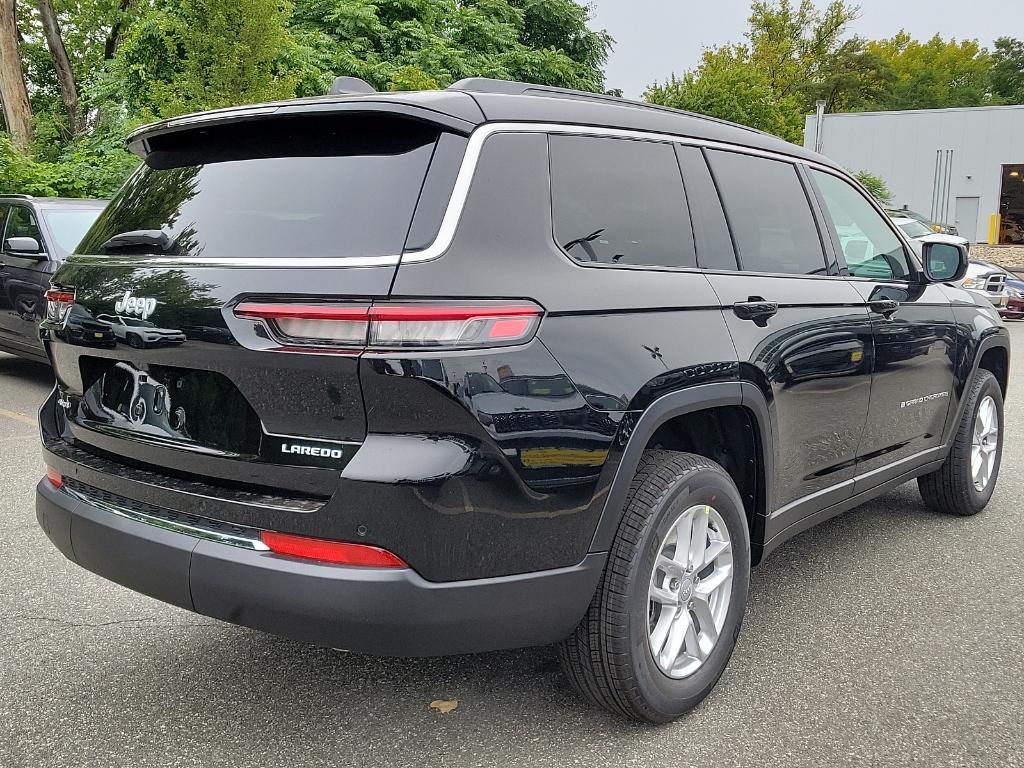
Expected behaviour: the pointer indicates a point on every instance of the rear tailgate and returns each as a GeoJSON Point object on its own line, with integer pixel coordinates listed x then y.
{"type": "Point", "coordinates": [155, 371]}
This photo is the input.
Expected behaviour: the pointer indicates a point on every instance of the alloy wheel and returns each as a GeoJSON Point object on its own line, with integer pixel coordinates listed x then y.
{"type": "Point", "coordinates": [688, 598]}
{"type": "Point", "coordinates": [984, 443]}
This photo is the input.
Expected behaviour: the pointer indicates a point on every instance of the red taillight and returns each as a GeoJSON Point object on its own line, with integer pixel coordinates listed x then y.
{"type": "Point", "coordinates": [58, 304]}
{"type": "Point", "coordinates": [336, 552]}
{"type": "Point", "coordinates": [56, 478]}
{"type": "Point", "coordinates": [397, 326]}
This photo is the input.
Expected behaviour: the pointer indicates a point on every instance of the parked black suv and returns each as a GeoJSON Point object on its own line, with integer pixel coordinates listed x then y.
{"type": "Point", "coordinates": [500, 366]}
{"type": "Point", "coordinates": [36, 233]}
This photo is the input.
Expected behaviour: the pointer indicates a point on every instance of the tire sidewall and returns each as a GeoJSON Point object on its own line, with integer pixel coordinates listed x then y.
{"type": "Point", "coordinates": [667, 696]}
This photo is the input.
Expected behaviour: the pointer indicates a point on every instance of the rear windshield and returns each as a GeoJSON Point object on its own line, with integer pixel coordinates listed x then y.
{"type": "Point", "coordinates": [314, 187]}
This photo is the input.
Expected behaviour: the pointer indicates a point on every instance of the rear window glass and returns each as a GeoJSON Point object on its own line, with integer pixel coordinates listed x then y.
{"type": "Point", "coordinates": [313, 187]}
{"type": "Point", "coordinates": [619, 201]}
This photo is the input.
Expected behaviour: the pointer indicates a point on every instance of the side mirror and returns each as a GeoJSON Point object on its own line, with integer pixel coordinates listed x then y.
{"type": "Point", "coordinates": [27, 246]}
{"type": "Point", "coordinates": [944, 262]}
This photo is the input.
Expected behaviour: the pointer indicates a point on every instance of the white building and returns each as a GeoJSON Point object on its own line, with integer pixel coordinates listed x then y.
{"type": "Point", "coordinates": [962, 166]}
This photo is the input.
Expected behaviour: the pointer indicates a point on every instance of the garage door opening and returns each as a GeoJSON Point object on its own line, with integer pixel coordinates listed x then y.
{"type": "Point", "coordinates": [1011, 205]}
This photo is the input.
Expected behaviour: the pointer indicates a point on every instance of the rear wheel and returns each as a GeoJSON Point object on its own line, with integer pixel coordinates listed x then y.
{"type": "Point", "coordinates": [964, 484]}
{"type": "Point", "coordinates": [134, 340]}
{"type": "Point", "coordinates": [663, 623]}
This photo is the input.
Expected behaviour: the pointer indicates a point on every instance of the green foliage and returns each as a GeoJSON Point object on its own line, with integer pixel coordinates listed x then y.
{"type": "Point", "coordinates": [795, 55]}
{"type": "Point", "coordinates": [412, 44]}
{"type": "Point", "coordinates": [728, 86]}
{"type": "Point", "coordinates": [875, 185]}
{"type": "Point", "coordinates": [933, 74]}
{"type": "Point", "coordinates": [140, 60]}
{"type": "Point", "coordinates": [91, 166]}
{"type": "Point", "coordinates": [202, 54]}
{"type": "Point", "coordinates": [1008, 70]}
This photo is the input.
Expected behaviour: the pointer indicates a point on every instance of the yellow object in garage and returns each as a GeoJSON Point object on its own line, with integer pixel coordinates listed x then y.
{"type": "Point", "coordinates": [994, 221]}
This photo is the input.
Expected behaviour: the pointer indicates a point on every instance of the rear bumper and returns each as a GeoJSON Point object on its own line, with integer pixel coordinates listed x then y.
{"type": "Point", "coordinates": [389, 612]}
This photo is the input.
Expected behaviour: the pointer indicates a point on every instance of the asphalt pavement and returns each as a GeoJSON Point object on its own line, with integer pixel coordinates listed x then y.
{"type": "Point", "coordinates": [889, 636]}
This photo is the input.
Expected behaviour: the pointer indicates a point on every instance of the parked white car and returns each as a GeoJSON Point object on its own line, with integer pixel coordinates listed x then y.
{"type": "Point", "coordinates": [984, 280]}
{"type": "Point", "coordinates": [140, 333]}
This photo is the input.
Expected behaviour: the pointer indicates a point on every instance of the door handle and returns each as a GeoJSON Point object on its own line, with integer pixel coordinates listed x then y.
{"type": "Point", "coordinates": [757, 310]}
{"type": "Point", "coordinates": [885, 307]}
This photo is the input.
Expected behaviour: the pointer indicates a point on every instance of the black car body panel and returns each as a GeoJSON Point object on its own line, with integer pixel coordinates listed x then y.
{"type": "Point", "coordinates": [790, 360]}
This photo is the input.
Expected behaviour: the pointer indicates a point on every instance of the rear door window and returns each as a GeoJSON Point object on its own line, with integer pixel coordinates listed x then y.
{"type": "Point", "coordinates": [769, 214]}
{"type": "Point", "coordinates": [620, 202]}
{"type": "Point", "coordinates": [329, 187]}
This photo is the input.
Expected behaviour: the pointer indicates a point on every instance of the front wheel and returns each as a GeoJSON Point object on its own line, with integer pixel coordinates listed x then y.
{"type": "Point", "coordinates": [964, 484]}
{"type": "Point", "coordinates": [663, 623]}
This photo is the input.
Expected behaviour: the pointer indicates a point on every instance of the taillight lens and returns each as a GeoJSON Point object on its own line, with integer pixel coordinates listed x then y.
{"type": "Point", "coordinates": [344, 326]}
{"type": "Point", "coordinates": [326, 551]}
{"type": "Point", "coordinates": [397, 326]}
{"type": "Point", "coordinates": [56, 478]}
{"type": "Point", "coordinates": [58, 304]}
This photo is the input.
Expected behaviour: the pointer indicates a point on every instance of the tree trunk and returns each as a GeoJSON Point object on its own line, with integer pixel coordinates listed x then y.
{"type": "Point", "coordinates": [117, 29]}
{"type": "Point", "coordinates": [61, 63]}
{"type": "Point", "coordinates": [13, 92]}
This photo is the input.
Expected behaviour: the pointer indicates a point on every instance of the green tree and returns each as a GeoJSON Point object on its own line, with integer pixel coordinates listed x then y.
{"type": "Point", "coordinates": [875, 185]}
{"type": "Point", "coordinates": [201, 54]}
{"type": "Point", "coordinates": [933, 74]}
{"type": "Point", "coordinates": [1008, 70]}
{"type": "Point", "coordinates": [794, 55]}
{"type": "Point", "coordinates": [410, 44]}
{"type": "Point", "coordinates": [727, 85]}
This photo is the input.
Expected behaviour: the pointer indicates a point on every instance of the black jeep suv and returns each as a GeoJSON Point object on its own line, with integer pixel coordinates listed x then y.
{"type": "Point", "coordinates": [498, 366]}
{"type": "Point", "coordinates": [37, 233]}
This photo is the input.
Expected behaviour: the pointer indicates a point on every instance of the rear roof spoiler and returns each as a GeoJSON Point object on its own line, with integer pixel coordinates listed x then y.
{"type": "Point", "coordinates": [461, 116]}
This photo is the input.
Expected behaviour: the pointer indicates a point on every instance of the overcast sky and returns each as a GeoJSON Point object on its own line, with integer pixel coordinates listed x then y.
{"type": "Point", "coordinates": [657, 37]}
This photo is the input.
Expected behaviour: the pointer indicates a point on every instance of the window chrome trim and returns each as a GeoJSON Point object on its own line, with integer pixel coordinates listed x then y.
{"type": "Point", "coordinates": [456, 203]}
{"type": "Point", "coordinates": [460, 192]}
{"type": "Point", "coordinates": [237, 261]}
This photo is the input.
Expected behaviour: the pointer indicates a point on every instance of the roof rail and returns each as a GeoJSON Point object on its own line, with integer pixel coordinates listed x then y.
{"type": "Point", "coordinates": [350, 85]}
{"type": "Point", "coordinates": [514, 88]}
{"type": "Point", "coordinates": [20, 197]}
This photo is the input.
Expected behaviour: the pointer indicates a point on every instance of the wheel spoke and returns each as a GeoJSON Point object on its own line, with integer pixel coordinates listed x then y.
{"type": "Point", "coordinates": [718, 577]}
{"type": "Point", "coordinates": [683, 527]}
{"type": "Point", "coordinates": [699, 538]}
{"type": "Point", "coordinates": [676, 635]}
{"type": "Point", "coordinates": [715, 548]}
{"type": "Point", "coordinates": [661, 628]}
{"type": "Point", "coordinates": [709, 632]}
{"type": "Point", "coordinates": [692, 644]}
{"type": "Point", "coordinates": [663, 596]}
{"type": "Point", "coordinates": [669, 566]}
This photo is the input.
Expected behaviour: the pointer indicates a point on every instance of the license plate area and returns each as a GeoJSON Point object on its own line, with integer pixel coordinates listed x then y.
{"type": "Point", "coordinates": [192, 408]}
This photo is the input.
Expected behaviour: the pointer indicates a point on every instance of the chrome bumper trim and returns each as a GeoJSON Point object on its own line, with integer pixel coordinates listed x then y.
{"type": "Point", "coordinates": [179, 522]}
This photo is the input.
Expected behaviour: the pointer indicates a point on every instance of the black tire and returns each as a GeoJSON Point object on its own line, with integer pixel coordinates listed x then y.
{"type": "Point", "coordinates": [134, 340]}
{"type": "Point", "coordinates": [951, 488]}
{"type": "Point", "coordinates": [608, 659]}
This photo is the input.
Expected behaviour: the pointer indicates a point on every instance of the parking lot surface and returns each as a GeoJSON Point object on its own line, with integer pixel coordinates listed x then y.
{"type": "Point", "coordinates": [888, 636]}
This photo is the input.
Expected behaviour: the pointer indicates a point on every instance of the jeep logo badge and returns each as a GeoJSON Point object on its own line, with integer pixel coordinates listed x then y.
{"type": "Point", "coordinates": [135, 305]}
